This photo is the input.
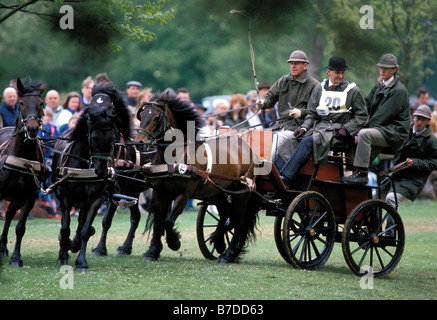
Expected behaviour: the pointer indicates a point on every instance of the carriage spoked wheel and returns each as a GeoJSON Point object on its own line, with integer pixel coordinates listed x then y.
{"type": "Point", "coordinates": [277, 231]}
{"type": "Point", "coordinates": [308, 231]}
{"type": "Point", "coordinates": [207, 222]}
{"type": "Point", "coordinates": [373, 238]}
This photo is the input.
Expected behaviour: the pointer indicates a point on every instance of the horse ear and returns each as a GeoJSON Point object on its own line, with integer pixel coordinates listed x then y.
{"type": "Point", "coordinates": [20, 85]}
{"type": "Point", "coordinates": [41, 88]}
{"type": "Point", "coordinates": [140, 109]}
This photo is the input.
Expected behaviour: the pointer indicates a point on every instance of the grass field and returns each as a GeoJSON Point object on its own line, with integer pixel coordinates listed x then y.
{"type": "Point", "coordinates": [186, 275]}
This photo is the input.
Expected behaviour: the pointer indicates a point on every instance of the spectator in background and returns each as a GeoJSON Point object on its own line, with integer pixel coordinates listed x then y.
{"type": "Point", "coordinates": [48, 135]}
{"type": "Point", "coordinates": [271, 113]}
{"type": "Point", "coordinates": [72, 105]}
{"type": "Point", "coordinates": [236, 118]}
{"type": "Point", "coordinates": [86, 89]}
{"type": "Point", "coordinates": [184, 95]}
{"type": "Point", "coordinates": [53, 100]}
{"type": "Point", "coordinates": [9, 108]}
{"type": "Point", "coordinates": [132, 91]}
{"type": "Point", "coordinates": [200, 109]}
{"type": "Point", "coordinates": [102, 79]}
{"type": "Point", "coordinates": [252, 113]}
{"type": "Point", "coordinates": [221, 106]}
{"type": "Point", "coordinates": [433, 122]}
{"type": "Point", "coordinates": [143, 96]}
{"type": "Point", "coordinates": [422, 96]}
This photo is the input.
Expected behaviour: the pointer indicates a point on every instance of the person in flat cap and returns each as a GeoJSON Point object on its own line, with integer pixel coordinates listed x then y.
{"type": "Point", "coordinates": [336, 112]}
{"type": "Point", "coordinates": [389, 120]}
{"type": "Point", "coordinates": [420, 155]}
{"type": "Point", "coordinates": [132, 91]}
{"type": "Point", "coordinates": [289, 95]}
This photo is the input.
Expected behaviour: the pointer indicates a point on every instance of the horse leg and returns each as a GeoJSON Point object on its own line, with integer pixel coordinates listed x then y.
{"type": "Point", "coordinates": [244, 218]}
{"type": "Point", "coordinates": [10, 213]}
{"type": "Point", "coordinates": [172, 235]}
{"type": "Point", "coordinates": [218, 236]}
{"type": "Point", "coordinates": [160, 209]}
{"type": "Point", "coordinates": [135, 217]}
{"type": "Point", "coordinates": [20, 229]}
{"type": "Point", "coordinates": [101, 250]}
{"type": "Point", "coordinates": [65, 242]}
{"type": "Point", "coordinates": [77, 240]}
{"type": "Point", "coordinates": [85, 233]}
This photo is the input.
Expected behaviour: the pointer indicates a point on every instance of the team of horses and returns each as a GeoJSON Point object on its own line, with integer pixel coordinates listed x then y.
{"type": "Point", "coordinates": [100, 160]}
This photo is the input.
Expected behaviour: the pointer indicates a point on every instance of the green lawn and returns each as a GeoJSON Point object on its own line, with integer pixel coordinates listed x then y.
{"type": "Point", "coordinates": [262, 274]}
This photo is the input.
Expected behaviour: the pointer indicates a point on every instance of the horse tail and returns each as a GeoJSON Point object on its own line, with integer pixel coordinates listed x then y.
{"type": "Point", "coordinates": [252, 217]}
{"type": "Point", "coordinates": [148, 228]}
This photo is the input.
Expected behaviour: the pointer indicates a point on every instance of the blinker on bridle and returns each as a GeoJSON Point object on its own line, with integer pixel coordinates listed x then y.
{"type": "Point", "coordinates": [161, 121]}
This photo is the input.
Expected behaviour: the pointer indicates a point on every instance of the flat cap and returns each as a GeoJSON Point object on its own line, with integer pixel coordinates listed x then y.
{"type": "Point", "coordinates": [133, 83]}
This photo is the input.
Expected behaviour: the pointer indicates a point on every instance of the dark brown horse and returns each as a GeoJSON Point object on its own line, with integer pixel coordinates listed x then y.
{"type": "Point", "coordinates": [81, 167]}
{"type": "Point", "coordinates": [220, 171]}
{"type": "Point", "coordinates": [22, 164]}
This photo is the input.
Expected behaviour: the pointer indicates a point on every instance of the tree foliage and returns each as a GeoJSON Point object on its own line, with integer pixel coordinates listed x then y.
{"type": "Point", "coordinates": [200, 45]}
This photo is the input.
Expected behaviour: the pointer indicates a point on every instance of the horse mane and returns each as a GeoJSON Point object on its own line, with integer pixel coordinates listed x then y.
{"type": "Point", "coordinates": [182, 110]}
{"type": "Point", "coordinates": [123, 116]}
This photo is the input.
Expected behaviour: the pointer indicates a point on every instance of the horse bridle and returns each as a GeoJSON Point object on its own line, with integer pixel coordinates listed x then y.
{"type": "Point", "coordinates": [162, 121]}
{"type": "Point", "coordinates": [30, 117]}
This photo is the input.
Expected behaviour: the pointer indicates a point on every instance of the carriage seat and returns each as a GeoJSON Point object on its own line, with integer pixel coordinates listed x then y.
{"type": "Point", "coordinates": [343, 147]}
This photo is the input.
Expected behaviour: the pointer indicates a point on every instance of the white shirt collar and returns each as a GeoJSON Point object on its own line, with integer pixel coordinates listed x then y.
{"type": "Point", "coordinates": [386, 83]}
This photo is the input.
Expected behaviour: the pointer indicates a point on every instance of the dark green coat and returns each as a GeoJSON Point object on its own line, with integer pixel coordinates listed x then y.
{"type": "Point", "coordinates": [423, 150]}
{"type": "Point", "coordinates": [297, 92]}
{"type": "Point", "coordinates": [389, 112]}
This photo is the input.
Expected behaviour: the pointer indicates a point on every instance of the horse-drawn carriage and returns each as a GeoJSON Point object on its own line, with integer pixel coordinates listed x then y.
{"type": "Point", "coordinates": [319, 211]}
{"type": "Point", "coordinates": [232, 173]}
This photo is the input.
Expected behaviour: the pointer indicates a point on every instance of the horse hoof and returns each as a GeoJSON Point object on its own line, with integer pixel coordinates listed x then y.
{"type": "Point", "coordinates": [175, 246]}
{"type": "Point", "coordinates": [122, 252]}
{"type": "Point", "coordinates": [82, 269]}
{"type": "Point", "coordinates": [222, 260]}
{"type": "Point", "coordinates": [148, 259]}
{"type": "Point", "coordinates": [18, 264]}
{"type": "Point", "coordinates": [99, 253]}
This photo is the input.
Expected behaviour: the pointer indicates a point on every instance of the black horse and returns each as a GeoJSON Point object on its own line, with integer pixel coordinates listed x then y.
{"type": "Point", "coordinates": [81, 171]}
{"type": "Point", "coordinates": [22, 164]}
{"type": "Point", "coordinates": [130, 182]}
{"type": "Point", "coordinates": [219, 171]}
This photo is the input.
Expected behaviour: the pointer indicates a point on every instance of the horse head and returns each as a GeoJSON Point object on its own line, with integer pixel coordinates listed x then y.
{"type": "Point", "coordinates": [96, 129]}
{"type": "Point", "coordinates": [163, 112]}
{"type": "Point", "coordinates": [31, 108]}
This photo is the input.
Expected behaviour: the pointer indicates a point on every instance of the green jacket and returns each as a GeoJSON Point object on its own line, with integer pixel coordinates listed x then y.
{"type": "Point", "coordinates": [325, 128]}
{"type": "Point", "coordinates": [423, 150]}
{"type": "Point", "coordinates": [389, 112]}
{"type": "Point", "coordinates": [297, 92]}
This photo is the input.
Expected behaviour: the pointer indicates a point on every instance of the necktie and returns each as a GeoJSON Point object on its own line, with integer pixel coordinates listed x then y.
{"type": "Point", "coordinates": [331, 87]}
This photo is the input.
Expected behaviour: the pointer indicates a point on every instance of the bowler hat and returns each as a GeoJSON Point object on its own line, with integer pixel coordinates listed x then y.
{"type": "Point", "coordinates": [423, 111]}
{"type": "Point", "coordinates": [337, 63]}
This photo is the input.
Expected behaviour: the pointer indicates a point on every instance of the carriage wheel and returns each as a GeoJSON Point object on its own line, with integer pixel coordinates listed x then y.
{"type": "Point", "coordinates": [373, 237]}
{"type": "Point", "coordinates": [308, 231]}
{"type": "Point", "coordinates": [277, 230]}
{"type": "Point", "coordinates": [207, 221]}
